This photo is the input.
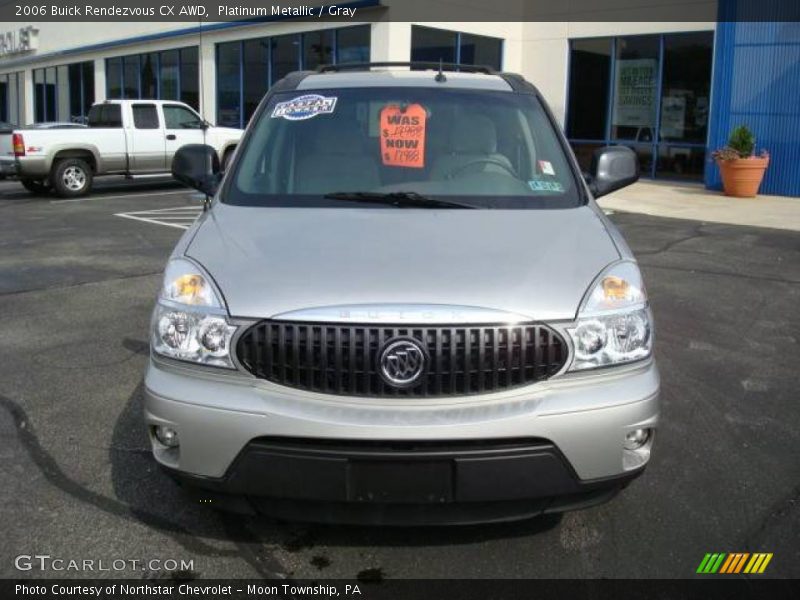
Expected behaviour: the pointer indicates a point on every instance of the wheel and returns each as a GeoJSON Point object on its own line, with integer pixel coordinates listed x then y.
{"type": "Point", "coordinates": [72, 177]}
{"type": "Point", "coordinates": [35, 186]}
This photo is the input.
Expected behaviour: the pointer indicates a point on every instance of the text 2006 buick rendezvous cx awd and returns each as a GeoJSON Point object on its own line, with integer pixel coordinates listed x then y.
{"type": "Point", "coordinates": [403, 306]}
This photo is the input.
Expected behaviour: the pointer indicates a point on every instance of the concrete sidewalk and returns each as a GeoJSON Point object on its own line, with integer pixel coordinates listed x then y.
{"type": "Point", "coordinates": [695, 202]}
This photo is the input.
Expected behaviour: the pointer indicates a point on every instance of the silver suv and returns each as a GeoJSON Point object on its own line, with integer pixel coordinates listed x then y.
{"type": "Point", "coordinates": [402, 305]}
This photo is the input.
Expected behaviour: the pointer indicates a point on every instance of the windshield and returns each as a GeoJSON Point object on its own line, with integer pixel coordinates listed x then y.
{"type": "Point", "coordinates": [331, 147]}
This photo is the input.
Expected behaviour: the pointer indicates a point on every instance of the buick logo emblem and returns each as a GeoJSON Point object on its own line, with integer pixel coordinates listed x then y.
{"type": "Point", "coordinates": [402, 362]}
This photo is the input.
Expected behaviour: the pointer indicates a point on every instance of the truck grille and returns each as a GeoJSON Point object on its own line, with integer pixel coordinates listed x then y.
{"type": "Point", "coordinates": [335, 358]}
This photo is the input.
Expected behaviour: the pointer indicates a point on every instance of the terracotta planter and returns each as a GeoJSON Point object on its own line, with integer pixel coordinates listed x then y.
{"type": "Point", "coordinates": [742, 176]}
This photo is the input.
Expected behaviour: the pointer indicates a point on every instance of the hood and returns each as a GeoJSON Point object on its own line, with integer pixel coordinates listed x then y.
{"type": "Point", "coordinates": [536, 263]}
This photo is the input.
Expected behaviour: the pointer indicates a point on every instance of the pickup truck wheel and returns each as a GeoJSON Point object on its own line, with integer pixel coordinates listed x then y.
{"type": "Point", "coordinates": [34, 186]}
{"type": "Point", "coordinates": [72, 177]}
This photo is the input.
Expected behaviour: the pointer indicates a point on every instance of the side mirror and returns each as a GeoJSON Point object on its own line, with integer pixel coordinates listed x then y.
{"type": "Point", "coordinates": [613, 168]}
{"type": "Point", "coordinates": [197, 165]}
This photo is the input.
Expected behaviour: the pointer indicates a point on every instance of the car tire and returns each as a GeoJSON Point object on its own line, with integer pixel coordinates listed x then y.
{"type": "Point", "coordinates": [35, 186]}
{"type": "Point", "coordinates": [72, 177]}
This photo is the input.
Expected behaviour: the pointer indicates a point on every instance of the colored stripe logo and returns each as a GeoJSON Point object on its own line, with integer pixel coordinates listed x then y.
{"type": "Point", "coordinates": [734, 562]}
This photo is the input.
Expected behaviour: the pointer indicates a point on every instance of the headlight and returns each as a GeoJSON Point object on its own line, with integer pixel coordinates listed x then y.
{"type": "Point", "coordinates": [189, 321]}
{"type": "Point", "coordinates": [614, 323]}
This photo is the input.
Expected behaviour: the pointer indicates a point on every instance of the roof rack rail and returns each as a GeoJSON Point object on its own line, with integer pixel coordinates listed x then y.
{"type": "Point", "coordinates": [365, 66]}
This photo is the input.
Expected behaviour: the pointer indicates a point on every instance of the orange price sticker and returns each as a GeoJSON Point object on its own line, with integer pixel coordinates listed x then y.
{"type": "Point", "coordinates": [403, 136]}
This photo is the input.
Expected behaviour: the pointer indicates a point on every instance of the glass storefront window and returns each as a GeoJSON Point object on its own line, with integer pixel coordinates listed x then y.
{"type": "Point", "coordinates": [246, 69]}
{"type": "Point", "coordinates": [3, 99]}
{"type": "Point", "coordinates": [317, 49]}
{"type": "Point", "coordinates": [75, 76]}
{"type": "Point", "coordinates": [434, 45]}
{"type": "Point", "coordinates": [285, 55]}
{"type": "Point", "coordinates": [228, 84]}
{"type": "Point", "coordinates": [590, 71]}
{"type": "Point", "coordinates": [114, 77]}
{"type": "Point", "coordinates": [10, 98]}
{"type": "Point", "coordinates": [87, 84]}
{"type": "Point", "coordinates": [50, 82]}
{"type": "Point", "coordinates": [39, 91]}
{"type": "Point", "coordinates": [686, 87]}
{"type": "Point", "coordinates": [45, 89]}
{"type": "Point", "coordinates": [635, 87]}
{"type": "Point", "coordinates": [680, 162]}
{"type": "Point", "coordinates": [149, 76]}
{"type": "Point", "coordinates": [190, 77]}
{"type": "Point", "coordinates": [130, 76]}
{"type": "Point", "coordinates": [352, 44]}
{"type": "Point", "coordinates": [256, 65]}
{"type": "Point", "coordinates": [659, 87]}
{"type": "Point", "coordinates": [166, 75]}
{"type": "Point", "coordinates": [63, 93]}
{"type": "Point", "coordinates": [481, 50]}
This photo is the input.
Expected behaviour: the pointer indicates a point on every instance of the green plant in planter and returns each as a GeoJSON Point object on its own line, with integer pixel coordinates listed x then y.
{"type": "Point", "coordinates": [741, 170]}
{"type": "Point", "coordinates": [742, 141]}
{"type": "Point", "coordinates": [741, 144]}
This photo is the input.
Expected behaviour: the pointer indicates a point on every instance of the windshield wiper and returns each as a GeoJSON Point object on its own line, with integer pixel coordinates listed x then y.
{"type": "Point", "coordinates": [398, 199]}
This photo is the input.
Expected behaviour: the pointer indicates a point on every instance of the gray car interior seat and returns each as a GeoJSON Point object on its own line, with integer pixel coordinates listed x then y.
{"type": "Point", "coordinates": [469, 146]}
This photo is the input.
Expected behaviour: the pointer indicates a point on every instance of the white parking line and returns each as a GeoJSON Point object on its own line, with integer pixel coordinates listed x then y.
{"type": "Point", "coordinates": [179, 217]}
{"type": "Point", "coordinates": [193, 208]}
{"type": "Point", "coordinates": [116, 196]}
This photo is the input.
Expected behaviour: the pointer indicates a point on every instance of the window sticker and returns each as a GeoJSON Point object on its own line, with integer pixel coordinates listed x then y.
{"type": "Point", "coordinates": [546, 167]}
{"type": "Point", "coordinates": [403, 135]}
{"type": "Point", "coordinates": [540, 185]}
{"type": "Point", "coordinates": [304, 107]}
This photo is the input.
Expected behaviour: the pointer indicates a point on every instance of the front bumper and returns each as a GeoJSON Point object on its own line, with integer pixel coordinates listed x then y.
{"type": "Point", "coordinates": [401, 483]}
{"type": "Point", "coordinates": [551, 446]}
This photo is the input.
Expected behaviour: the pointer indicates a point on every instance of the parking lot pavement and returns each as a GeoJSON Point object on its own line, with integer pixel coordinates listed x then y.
{"type": "Point", "coordinates": [77, 285]}
{"type": "Point", "coordinates": [48, 241]}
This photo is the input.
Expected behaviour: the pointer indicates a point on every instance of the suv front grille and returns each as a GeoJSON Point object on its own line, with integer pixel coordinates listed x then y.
{"type": "Point", "coordinates": [335, 358]}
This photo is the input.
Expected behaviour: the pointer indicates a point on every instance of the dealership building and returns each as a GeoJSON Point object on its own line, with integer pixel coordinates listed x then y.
{"type": "Point", "coordinates": [671, 91]}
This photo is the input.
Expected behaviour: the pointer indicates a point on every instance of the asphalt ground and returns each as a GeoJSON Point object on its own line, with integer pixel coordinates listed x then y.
{"type": "Point", "coordinates": [77, 284]}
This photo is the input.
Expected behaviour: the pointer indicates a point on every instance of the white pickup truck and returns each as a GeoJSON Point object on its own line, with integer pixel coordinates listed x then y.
{"type": "Point", "coordinates": [124, 137]}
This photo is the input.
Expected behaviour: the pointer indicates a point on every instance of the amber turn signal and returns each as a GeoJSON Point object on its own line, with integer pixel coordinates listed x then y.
{"type": "Point", "coordinates": [615, 288]}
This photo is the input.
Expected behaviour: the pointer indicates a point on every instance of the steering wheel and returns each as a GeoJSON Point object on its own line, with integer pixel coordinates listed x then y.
{"type": "Point", "coordinates": [483, 161]}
